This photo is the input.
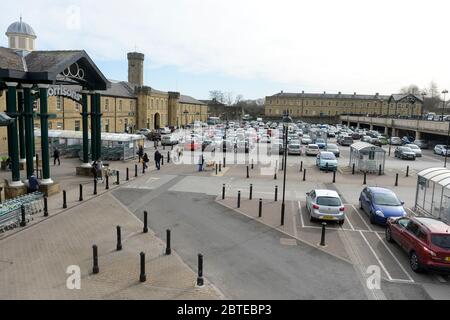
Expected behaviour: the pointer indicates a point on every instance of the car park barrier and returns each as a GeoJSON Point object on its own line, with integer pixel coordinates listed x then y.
{"type": "Point", "coordinates": [64, 199]}
{"type": "Point", "coordinates": [135, 170]}
{"type": "Point", "coordinates": [396, 179]}
{"type": "Point", "coordinates": [353, 169]}
{"type": "Point", "coordinates": [45, 207]}
{"type": "Point", "coordinates": [380, 170]}
{"type": "Point", "coordinates": [334, 176]}
{"type": "Point", "coordinates": [276, 193]}
{"type": "Point", "coordinates": [117, 177]}
{"type": "Point", "coordinates": [95, 186]}
{"type": "Point", "coordinates": [223, 192]}
{"type": "Point", "coordinates": [128, 175]}
{"type": "Point", "coordinates": [304, 174]}
{"type": "Point", "coordinates": [301, 166]}
{"type": "Point", "coordinates": [365, 178]}
{"type": "Point", "coordinates": [407, 171]}
{"type": "Point", "coordinates": [248, 173]}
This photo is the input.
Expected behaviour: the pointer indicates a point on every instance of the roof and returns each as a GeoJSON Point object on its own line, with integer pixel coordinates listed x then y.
{"type": "Point", "coordinates": [20, 27]}
{"type": "Point", "coordinates": [326, 193]}
{"type": "Point", "coordinates": [331, 96]}
{"type": "Point", "coordinates": [5, 120]}
{"type": "Point", "coordinates": [213, 102]}
{"type": "Point", "coordinates": [411, 98]}
{"type": "Point", "coordinates": [106, 136]}
{"type": "Point", "coordinates": [119, 89]}
{"type": "Point", "coordinates": [434, 225]}
{"type": "Point", "coordinates": [360, 146]}
{"type": "Point", "coordinates": [189, 100]}
{"type": "Point", "coordinates": [440, 175]}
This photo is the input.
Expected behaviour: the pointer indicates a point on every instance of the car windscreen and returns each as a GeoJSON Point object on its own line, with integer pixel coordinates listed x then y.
{"type": "Point", "coordinates": [329, 201]}
{"type": "Point", "coordinates": [313, 147]}
{"type": "Point", "coordinates": [386, 199]}
{"type": "Point", "coordinates": [332, 147]}
{"type": "Point", "coordinates": [441, 240]}
{"type": "Point", "coordinates": [328, 156]}
{"type": "Point", "coordinates": [294, 146]}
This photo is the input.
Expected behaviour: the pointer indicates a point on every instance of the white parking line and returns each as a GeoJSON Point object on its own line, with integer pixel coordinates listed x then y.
{"type": "Point", "coordinates": [301, 215]}
{"type": "Point", "coordinates": [357, 211]}
{"type": "Point", "coordinates": [440, 278]}
{"type": "Point", "coordinates": [376, 256]}
{"type": "Point", "coordinates": [350, 224]}
{"type": "Point", "coordinates": [395, 258]}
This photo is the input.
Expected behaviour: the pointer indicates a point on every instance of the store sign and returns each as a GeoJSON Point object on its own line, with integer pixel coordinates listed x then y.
{"type": "Point", "coordinates": [64, 92]}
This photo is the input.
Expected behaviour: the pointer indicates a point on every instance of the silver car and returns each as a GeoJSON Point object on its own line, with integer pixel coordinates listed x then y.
{"type": "Point", "coordinates": [325, 205]}
{"type": "Point", "coordinates": [415, 148]}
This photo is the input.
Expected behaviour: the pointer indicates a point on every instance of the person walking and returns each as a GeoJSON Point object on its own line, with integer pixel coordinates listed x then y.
{"type": "Point", "coordinates": [158, 157]}
{"type": "Point", "coordinates": [99, 169]}
{"type": "Point", "coordinates": [201, 162]}
{"type": "Point", "coordinates": [140, 152]}
{"type": "Point", "coordinates": [145, 160]}
{"type": "Point", "coordinates": [56, 155]}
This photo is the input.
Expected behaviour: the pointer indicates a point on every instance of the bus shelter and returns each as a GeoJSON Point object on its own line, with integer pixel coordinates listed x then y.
{"type": "Point", "coordinates": [114, 146]}
{"type": "Point", "coordinates": [367, 157]}
{"type": "Point", "coordinates": [433, 193]}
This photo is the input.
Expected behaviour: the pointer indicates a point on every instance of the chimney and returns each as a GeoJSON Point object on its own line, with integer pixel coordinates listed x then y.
{"type": "Point", "coordinates": [303, 92]}
{"type": "Point", "coordinates": [281, 91]}
{"type": "Point", "coordinates": [136, 68]}
{"type": "Point", "coordinates": [324, 92]}
{"type": "Point", "coordinates": [354, 93]}
{"type": "Point", "coordinates": [339, 93]}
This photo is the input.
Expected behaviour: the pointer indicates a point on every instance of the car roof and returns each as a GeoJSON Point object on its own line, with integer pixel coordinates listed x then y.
{"type": "Point", "coordinates": [326, 193]}
{"type": "Point", "coordinates": [326, 152]}
{"type": "Point", "coordinates": [312, 145]}
{"type": "Point", "coordinates": [433, 225]}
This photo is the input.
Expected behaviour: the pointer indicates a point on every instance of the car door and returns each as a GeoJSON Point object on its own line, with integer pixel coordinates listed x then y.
{"type": "Point", "coordinates": [410, 236]}
{"type": "Point", "coordinates": [399, 231]}
{"type": "Point", "coordinates": [365, 199]}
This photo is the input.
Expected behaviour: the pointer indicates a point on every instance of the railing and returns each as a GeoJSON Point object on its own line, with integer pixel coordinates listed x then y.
{"type": "Point", "coordinates": [10, 210]}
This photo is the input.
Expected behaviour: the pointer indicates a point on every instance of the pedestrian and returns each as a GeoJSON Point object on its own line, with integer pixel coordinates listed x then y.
{"type": "Point", "coordinates": [140, 152]}
{"type": "Point", "coordinates": [56, 155]}
{"type": "Point", "coordinates": [99, 169]}
{"type": "Point", "coordinates": [158, 159]}
{"type": "Point", "coordinates": [33, 184]}
{"type": "Point", "coordinates": [145, 160]}
{"type": "Point", "coordinates": [201, 162]}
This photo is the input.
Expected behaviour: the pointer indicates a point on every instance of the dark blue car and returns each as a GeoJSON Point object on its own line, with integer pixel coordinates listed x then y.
{"type": "Point", "coordinates": [380, 204]}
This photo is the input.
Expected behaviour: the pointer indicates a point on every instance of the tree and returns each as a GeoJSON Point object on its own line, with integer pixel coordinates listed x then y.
{"type": "Point", "coordinates": [217, 95]}
{"type": "Point", "coordinates": [411, 89]}
{"type": "Point", "coordinates": [238, 98]}
{"type": "Point", "coordinates": [228, 98]}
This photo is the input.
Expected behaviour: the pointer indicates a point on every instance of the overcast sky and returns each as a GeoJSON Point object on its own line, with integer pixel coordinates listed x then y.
{"type": "Point", "coordinates": [252, 47]}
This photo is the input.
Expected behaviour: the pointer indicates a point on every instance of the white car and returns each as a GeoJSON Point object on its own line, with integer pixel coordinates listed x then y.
{"type": "Point", "coordinates": [325, 205]}
{"type": "Point", "coordinates": [294, 148]}
{"type": "Point", "coordinates": [415, 148]}
{"type": "Point", "coordinates": [312, 150]}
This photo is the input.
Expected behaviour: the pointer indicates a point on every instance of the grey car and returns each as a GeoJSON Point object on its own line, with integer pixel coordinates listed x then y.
{"type": "Point", "coordinates": [333, 148]}
{"type": "Point", "coordinates": [325, 205]}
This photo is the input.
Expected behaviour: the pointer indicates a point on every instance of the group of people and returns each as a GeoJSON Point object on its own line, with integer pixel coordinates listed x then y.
{"type": "Point", "coordinates": [145, 159]}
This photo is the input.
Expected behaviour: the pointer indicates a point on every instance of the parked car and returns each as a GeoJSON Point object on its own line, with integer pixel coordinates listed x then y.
{"type": "Point", "coordinates": [333, 148]}
{"type": "Point", "coordinates": [441, 150]}
{"type": "Point", "coordinates": [143, 131]}
{"type": "Point", "coordinates": [366, 139]}
{"type": "Point", "coordinates": [312, 150]}
{"type": "Point", "coordinates": [425, 240]}
{"type": "Point", "coordinates": [415, 148]}
{"type": "Point", "coordinates": [395, 141]}
{"type": "Point", "coordinates": [192, 145]}
{"type": "Point", "coordinates": [380, 204]}
{"type": "Point", "coordinates": [407, 140]}
{"type": "Point", "coordinates": [165, 130]}
{"type": "Point", "coordinates": [277, 147]}
{"type": "Point", "coordinates": [326, 161]}
{"type": "Point", "coordinates": [294, 148]}
{"type": "Point", "coordinates": [154, 136]}
{"type": "Point", "coordinates": [169, 140]}
{"type": "Point", "coordinates": [422, 144]}
{"type": "Point", "coordinates": [405, 153]}
{"type": "Point", "coordinates": [321, 143]}
{"type": "Point", "coordinates": [346, 141]}
{"type": "Point", "coordinates": [325, 205]}
{"type": "Point", "coordinates": [306, 139]}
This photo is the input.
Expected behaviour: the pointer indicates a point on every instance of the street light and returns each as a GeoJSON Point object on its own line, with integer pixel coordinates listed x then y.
{"type": "Point", "coordinates": [185, 112]}
{"type": "Point", "coordinates": [423, 104]}
{"type": "Point", "coordinates": [286, 120]}
{"type": "Point", "coordinates": [443, 105]}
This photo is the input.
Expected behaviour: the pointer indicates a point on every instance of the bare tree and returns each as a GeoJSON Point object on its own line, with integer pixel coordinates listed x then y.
{"type": "Point", "coordinates": [217, 95]}
{"type": "Point", "coordinates": [228, 98]}
{"type": "Point", "coordinates": [411, 89]}
{"type": "Point", "coordinates": [238, 98]}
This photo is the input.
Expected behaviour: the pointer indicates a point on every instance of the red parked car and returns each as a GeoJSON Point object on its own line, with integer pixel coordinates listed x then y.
{"type": "Point", "coordinates": [426, 240]}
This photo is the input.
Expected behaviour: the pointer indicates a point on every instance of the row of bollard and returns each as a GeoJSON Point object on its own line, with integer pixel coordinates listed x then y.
{"type": "Point", "coordinates": [142, 273]}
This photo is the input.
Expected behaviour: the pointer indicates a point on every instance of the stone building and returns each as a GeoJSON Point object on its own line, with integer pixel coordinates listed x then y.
{"type": "Point", "coordinates": [223, 111]}
{"type": "Point", "coordinates": [311, 105]}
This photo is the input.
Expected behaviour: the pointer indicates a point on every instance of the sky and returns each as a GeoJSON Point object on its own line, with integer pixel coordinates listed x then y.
{"type": "Point", "coordinates": [252, 47]}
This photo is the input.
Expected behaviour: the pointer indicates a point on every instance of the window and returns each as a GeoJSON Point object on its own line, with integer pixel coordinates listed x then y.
{"type": "Point", "coordinates": [131, 106]}
{"type": "Point", "coordinates": [413, 228]}
{"type": "Point", "coordinates": [77, 106]}
{"type": "Point", "coordinates": [50, 125]}
{"type": "Point", "coordinates": [120, 105]}
{"type": "Point", "coordinates": [77, 125]}
{"type": "Point", "coordinates": [59, 125]}
{"type": "Point", "coordinates": [107, 105]}
{"type": "Point", "coordinates": [403, 222]}
{"type": "Point", "coordinates": [58, 103]}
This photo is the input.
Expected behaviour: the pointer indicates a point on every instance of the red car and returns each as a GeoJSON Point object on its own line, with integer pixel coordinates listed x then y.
{"type": "Point", "coordinates": [426, 240]}
{"type": "Point", "coordinates": [192, 145]}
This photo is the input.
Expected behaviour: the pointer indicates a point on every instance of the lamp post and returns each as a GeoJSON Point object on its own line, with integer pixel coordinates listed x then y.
{"type": "Point", "coordinates": [286, 120]}
{"type": "Point", "coordinates": [423, 104]}
{"type": "Point", "coordinates": [443, 105]}
{"type": "Point", "coordinates": [185, 112]}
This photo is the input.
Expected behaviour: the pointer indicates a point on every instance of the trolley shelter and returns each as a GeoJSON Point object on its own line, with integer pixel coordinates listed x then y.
{"type": "Point", "coordinates": [367, 157]}
{"type": "Point", "coordinates": [433, 193]}
{"type": "Point", "coordinates": [114, 146]}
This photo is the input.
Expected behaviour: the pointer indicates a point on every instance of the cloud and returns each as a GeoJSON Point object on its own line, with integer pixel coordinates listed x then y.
{"type": "Point", "coordinates": [323, 45]}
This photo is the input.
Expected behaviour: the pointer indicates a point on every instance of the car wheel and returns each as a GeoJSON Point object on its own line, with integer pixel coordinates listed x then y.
{"type": "Point", "coordinates": [360, 205]}
{"type": "Point", "coordinates": [415, 263]}
{"type": "Point", "coordinates": [389, 235]}
{"type": "Point", "coordinates": [341, 222]}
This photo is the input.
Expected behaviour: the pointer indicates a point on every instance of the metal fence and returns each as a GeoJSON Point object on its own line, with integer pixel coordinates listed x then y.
{"type": "Point", "coordinates": [10, 210]}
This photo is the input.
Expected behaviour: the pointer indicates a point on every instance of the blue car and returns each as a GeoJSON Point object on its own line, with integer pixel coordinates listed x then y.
{"type": "Point", "coordinates": [321, 143]}
{"type": "Point", "coordinates": [380, 204]}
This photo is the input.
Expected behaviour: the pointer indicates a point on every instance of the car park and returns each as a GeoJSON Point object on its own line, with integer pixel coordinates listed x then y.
{"type": "Point", "coordinates": [321, 143]}
{"type": "Point", "coordinates": [395, 141]}
{"type": "Point", "coordinates": [425, 240]}
{"type": "Point", "coordinates": [325, 205]}
{"type": "Point", "coordinates": [346, 141]}
{"type": "Point", "coordinates": [306, 139]}
{"type": "Point", "coordinates": [405, 153]}
{"type": "Point", "coordinates": [415, 149]}
{"type": "Point", "coordinates": [312, 150]}
{"type": "Point", "coordinates": [380, 204]}
{"type": "Point", "coordinates": [333, 148]}
{"type": "Point", "coordinates": [441, 150]}
{"type": "Point", "coordinates": [326, 161]}
{"type": "Point", "coordinates": [366, 139]}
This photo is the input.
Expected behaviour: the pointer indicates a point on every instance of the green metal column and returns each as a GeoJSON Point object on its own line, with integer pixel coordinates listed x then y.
{"type": "Point", "coordinates": [11, 109]}
{"type": "Point", "coordinates": [28, 106]}
{"type": "Point", "coordinates": [43, 95]}
{"type": "Point", "coordinates": [99, 125]}
{"type": "Point", "coordinates": [22, 145]}
{"type": "Point", "coordinates": [93, 128]}
{"type": "Point", "coordinates": [85, 115]}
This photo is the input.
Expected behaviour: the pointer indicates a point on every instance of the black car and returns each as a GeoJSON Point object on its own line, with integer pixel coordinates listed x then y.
{"type": "Point", "coordinates": [405, 153]}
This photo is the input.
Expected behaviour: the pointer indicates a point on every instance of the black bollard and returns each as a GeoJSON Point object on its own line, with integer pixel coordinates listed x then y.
{"type": "Point", "coordinates": [162, 160]}
{"type": "Point", "coordinates": [380, 170]}
{"type": "Point", "coordinates": [224, 162]}
{"type": "Point", "coordinates": [145, 222]}
{"type": "Point", "coordinates": [365, 178]}
{"type": "Point", "coordinates": [117, 177]}
{"type": "Point", "coordinates": [407, 171]}
{"type": "Point", "coordinates": [119, 238]}
{"type": "Point", "coordinates": [23, 221]}
{"type": "Point", "coordinates": [275, 176]}
{"type": "Point", "coordinates": [334, 176]}
{"type": "Point", "coordinates": [322, 240]}
{"type": "Point", "coordinates": [253, 166]}
{"type": "Point", "coordinates": [81, 193]}
{"type": "Point", "coordinates": [220, 167]}
{"type": "Point", "coordinates": [45, 207]}
{"type": "Point", "coordinates": [64, 199]}
{"type": "Point", "coordinates": [396, 180]}
{"type": "Point", "coordinates": [217, 169]}
{"type": "Point", "coordinates": [135, 170]}
{"type": "Point", "coordinates": [248, 173]}
{"type": "Point", "coordinates": [223, 192]}
{"type": "Point", "coordinates": [304, 174]}
{"type": "Point", "coordinates": [164, 147]}
{"type": "Point", "coordinates": [200, 271]}
{"type": "Point", "coordinates": [143, 167]}
{"type": "Point", "coordinates": [95, 268]}
{"type": "Point", "coordinates": [276, 193]}
{"type": "Point", "coordinates": [239, 199]}
{"type": "Point", "coordinates": [142, 276]}
{"type": "Point", "coordinates": [168, 157]}
{"type": "Point", "coordinates": [37, 166]}
{"type": "Point", "coordinates": [260, 208]}
{"type": "Point", "coordinates": [301, 166]}
{"type": "Point", "coordinates": [353, 169]}
{"type": "Point", "coordinates": [107, 182]}
{"type": "Point", "coordinates": [326, 167]}
{"type": "Point", "coordinates": [95, 186]}
{"type": "Point", "coordinates": [128, 175]}
{"type": "Point", "coordinates": [251, 192]}
{"type": "Point", "coordinates": [168, 248]}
